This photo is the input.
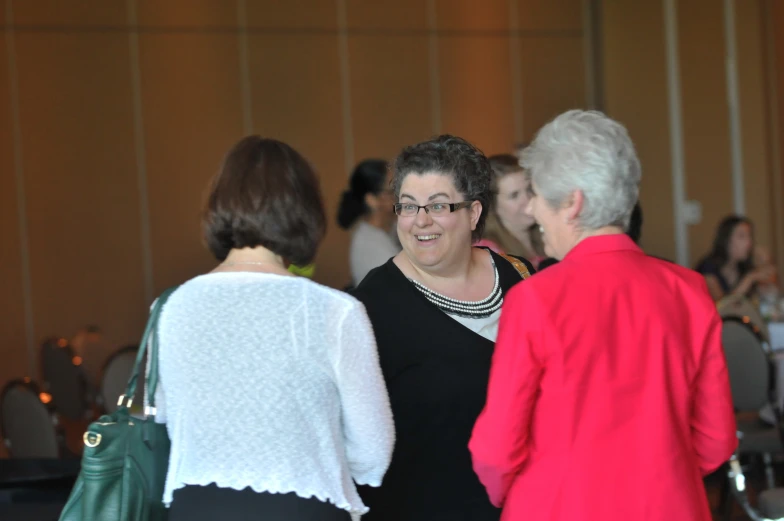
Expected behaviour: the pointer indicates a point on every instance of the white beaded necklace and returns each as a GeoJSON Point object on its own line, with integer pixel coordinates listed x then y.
{"type": "Point", "coordinates": [465, 308]}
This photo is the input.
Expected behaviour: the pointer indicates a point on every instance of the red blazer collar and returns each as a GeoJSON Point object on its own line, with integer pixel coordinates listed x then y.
{"type": "Point", "coordinates": [602, 244]}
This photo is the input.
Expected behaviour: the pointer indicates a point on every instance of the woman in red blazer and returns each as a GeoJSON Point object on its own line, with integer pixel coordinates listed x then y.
{"type": "Point", "coordinates": [608, 397]}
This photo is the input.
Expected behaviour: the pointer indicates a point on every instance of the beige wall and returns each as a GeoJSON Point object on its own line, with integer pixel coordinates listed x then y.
{"type": "Point", "coordinates": [125, 109]}
{"type": "Point", "coordinates": [635, 80]}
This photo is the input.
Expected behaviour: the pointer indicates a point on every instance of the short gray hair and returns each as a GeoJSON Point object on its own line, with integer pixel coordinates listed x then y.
{"type": "Point", "coordinates": [586, 151]}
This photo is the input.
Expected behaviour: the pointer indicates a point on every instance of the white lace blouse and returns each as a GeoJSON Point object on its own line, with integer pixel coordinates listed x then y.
{"type": "Point", "coordinates": [273, 383]}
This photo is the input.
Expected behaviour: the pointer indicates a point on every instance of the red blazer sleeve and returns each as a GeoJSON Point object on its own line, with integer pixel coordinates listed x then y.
{"type": "Point", "coordinates": [714, 434]}
{"type": "Point", "coordinates": [499, 442]}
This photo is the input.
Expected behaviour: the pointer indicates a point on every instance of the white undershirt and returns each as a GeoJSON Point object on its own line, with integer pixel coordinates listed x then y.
{"type": "Point", "coordinates": [486, 326]}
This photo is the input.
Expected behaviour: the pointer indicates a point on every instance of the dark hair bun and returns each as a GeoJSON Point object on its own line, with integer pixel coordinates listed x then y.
{"type": "Point", "coordinates": [368, 178]}
{"type": "Point", "coordinates": [351, 208]}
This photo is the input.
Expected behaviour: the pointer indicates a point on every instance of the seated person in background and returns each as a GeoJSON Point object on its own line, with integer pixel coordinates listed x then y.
{"type": "Point", "coordinates": [509, 229]}
{"type": "Point", "coordinates": [369, 202]}
{"type": "Point", "coordinates": [729, 268]}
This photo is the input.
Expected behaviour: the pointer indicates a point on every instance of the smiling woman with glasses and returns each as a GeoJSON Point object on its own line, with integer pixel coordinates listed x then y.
{"type": "Point", "coordinates": [434, 309]}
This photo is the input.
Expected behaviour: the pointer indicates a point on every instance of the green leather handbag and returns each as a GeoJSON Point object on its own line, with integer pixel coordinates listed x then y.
{"type": "Point", "coordinates": [125, 458]}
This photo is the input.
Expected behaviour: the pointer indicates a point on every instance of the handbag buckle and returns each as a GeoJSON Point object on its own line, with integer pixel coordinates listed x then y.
{"type": "Point", "coordinates": [122, 399]}
{"type": "Point", "coordinates": [92, 439]}
{"type": "Point", "coordinates": [150, 411]}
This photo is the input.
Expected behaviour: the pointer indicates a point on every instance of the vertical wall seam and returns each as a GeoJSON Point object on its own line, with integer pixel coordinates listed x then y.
{"type": "Point", "coordinates": [589, 54]}
{"type": "Point", "coordinates": [21, 196]}
{"type": "Point", "coordinates": [345, 87]}
{"type": "Point", "coordinates": [435, 75]}
{"type": "Point", "coordinates": [244, 55]}
{"type": "Point", "coordinates": [516, 65]}
{"type": "Point", "coordinates": [774, 130]}
{"type": "Point", "coordinates": [676, 131]}
{"type": "Point", "coordinates": [733, 105]}
{"type": "Point", "coordinates": [141, 153]}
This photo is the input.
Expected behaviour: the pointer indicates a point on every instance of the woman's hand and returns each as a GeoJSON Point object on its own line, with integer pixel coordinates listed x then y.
{"type": "Point", "coordinates": [763, 274]}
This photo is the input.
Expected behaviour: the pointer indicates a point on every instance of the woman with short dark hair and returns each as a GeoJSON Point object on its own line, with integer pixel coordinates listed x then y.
{"type": "Point", "coordinates": [435, 308]}
{"type": "Point", "coordinates": [270, 384]}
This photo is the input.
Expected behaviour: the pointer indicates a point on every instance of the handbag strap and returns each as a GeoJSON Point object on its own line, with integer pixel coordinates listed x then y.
{"type": "Point", "coordinates": [149, 340]}
{"type": "Point", "coordinates": [519, 265]}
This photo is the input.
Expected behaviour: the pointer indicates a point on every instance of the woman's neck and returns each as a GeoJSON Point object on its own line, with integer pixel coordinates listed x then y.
{"type": "Point", "coordinates": [257, 259]}
{"type": "Point", "coordinates": [524, 238]}
{"type": "Point", "coordinates": [459, 279]}
{"type": "Point", "coordinates": [376, 219]}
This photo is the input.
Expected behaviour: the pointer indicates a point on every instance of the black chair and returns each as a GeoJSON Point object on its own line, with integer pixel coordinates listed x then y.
{"type": "Point", "coordinates": [752, 380]}
{"type": "Point", "coordinates": [64, 379]}
{"type": "Point", "coordinates": [115, 374]}
{"type": "Point", "coordinates": [28, 425]}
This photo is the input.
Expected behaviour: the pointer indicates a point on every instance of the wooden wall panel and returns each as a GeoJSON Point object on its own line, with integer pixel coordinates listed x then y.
{"type": "Point", "coordinates": [775, 13]}
{"type": "Point", "coordinates": [13, 348]}
{"type": "Point", "coordinates": [394, 69]}
{"type": "Point", "coordinates": [553, 79]}
{"type": "Point", "coordinates": [292, 14]}
{"type": "Point", "coordinates": [705, 117]}
{"type": "Point", "coordinates": [635, 79]}
{"type": "Point", "coordinates": [386, 15]}
{"type": "Point", "coordinates": [296, 91]}
{"type": "Point", "coordinates": [551, 15]}
{"type": "Point", "coordinates": [192, 113]}
{"type": "Point", "coordinates": [81, 183]}
{"type": "Point", "coordinates": [753, 112]}
{"type": "Point", "coordinates": [476, 90]}
{"type": "Point", "coordinates": [187, 13]}
{"type": "Point", "coordinates": [84, 13]}
{"type": "Point", "coordinates": [467, 15]}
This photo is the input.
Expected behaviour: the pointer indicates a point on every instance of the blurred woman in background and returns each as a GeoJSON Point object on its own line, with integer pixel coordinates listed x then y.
{"type": "Point", "coordinates": [509, 229]}
{"type": "Point", "coordinates": [368, 204]}
{"type": "Point", "coordinates": [729, 268]}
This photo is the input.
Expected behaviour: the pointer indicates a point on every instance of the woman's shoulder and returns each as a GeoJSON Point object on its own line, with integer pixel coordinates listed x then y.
{"type": "Point", "coordinates": [512, 268]}
{"type": "Point", "coordinates": [286, 289]}
{"type": "Point", "coordinates": [379, 283]}
{"type": "Point", "coordinates": [487, 243]}
{"type": "Point", "coordinates": [707, 267]}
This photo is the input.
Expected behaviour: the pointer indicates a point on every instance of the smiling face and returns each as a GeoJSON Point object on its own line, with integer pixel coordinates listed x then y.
{"type": "Point", "coordinates": [558, 230]}
{"type": "Point", "coordinates": [433, 241]}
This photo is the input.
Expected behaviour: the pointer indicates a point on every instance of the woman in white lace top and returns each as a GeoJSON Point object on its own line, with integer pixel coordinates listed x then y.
{"type": "Point", "coordinates": [270, 384]}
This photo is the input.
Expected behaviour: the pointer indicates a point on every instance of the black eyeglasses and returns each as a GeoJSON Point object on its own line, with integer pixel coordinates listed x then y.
{"type": "Point", "coordinates": [410, 209]}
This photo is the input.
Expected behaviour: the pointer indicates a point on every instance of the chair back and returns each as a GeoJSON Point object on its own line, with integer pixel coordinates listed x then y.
{"type": "Point", "coordinates": [26, 423]}
{"type": "Point", "coordinates": [741, 308]}
{"type": "Point", "coordinates": [64, 379]}
{"type": "Point", "coordinates": [750, 369]}
{"type": "Point", "coordinates": [115, 376]}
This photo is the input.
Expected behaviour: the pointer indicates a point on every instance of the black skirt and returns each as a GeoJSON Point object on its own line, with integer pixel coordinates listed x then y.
{"type": "Point", "coordinates": [210, 503]}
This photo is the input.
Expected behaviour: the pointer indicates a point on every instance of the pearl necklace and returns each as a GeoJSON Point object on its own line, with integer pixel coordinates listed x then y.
{"type": "Point", "coordinates": [465, 308]}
